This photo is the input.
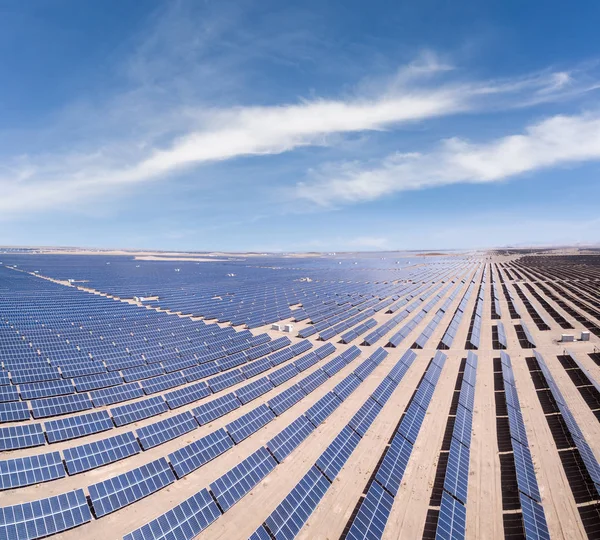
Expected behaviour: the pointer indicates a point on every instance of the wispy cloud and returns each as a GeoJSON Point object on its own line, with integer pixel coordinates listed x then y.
{"type": "Point", "coordinates": [556, 141]}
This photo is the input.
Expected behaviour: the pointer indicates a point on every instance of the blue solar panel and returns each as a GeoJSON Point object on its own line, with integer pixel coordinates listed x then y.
{"type": "Point", "coordinates": [257, 366]}
{"type": "Point", "coordinates": [116, 394]}
{"type": "Point", "coordinates": [452, 520]}
{"type": "Point", "coordinates": [77, 426]}
{"type": "Point", "coordinates": [384, 391]}
{"type": "Point", "coordinates": [200, 372]}
{"type": "Point", "coordinates": [225, 380]}
{"type": "Point", "coordinates": [287, 440]}
{"type": "Point", "coordinates": [132, 412]}
{"type": "Point", "coordinates": [29, 470]}
{"type": "Point", "coordinates": [467, 396]}
{"type": "Point", "coordinates": [534, 519]}
{"type": "Point", "coordinates": [526, 479]}
{"type": "Point", "coordinates": [95, 454]}
{"type": "Point", "coordinates": [372, 515]}
{"type": "Point", "coordinates": [162, 382]}
{"type": "Point", "coordinates": [365, 369]}
{"type": "Point", "coordinates": [313, 381]}
{"type": "Point", "coordinates": [344, 388]}
{"type": "Point", "coordinates": [142, 372]}
{"type": "Point", "coordinates": [249, 423]}
{"type": "Point", "coordinates": [394, 464]}
{"type": "Point", "coordinates": [463, 425]}
{"type": "Point", "coordinates": [365, 416]}
{"type": "Point", "coordinates": [9, 393]}
{"type": "Point", "coordinates": [306, 361]}
{"type": "Point", "coordinates": [46, 389]}
{"type": "Point", "coordinates": [192, 456]}
{"type": "Point", "coordinates": [186, 395]}
{"type": "Point", "coordinates": [456, 481]}
{"type": "Point", "coordinates": [337, 453]}
{"type": "Point", "coordinates": [25, 436]}
{"type": "Point", "coordinates": [517, 426]}
{"type": "Point", "coordinates": [253, 390]}
{"type": "Point", "coordinates": [165, 430]}
{"type": "Point", "coordinates": [55, 406]}
{"type": "Point", "coordinates": [283, 374]}
{"type": "Point", "coordinates": [14, 411]}
{"type": "Point", "coordinates": [124, 489]}
{"type": "Point", "coordinates": [412, 421]}
{"type": "Point", "coordinates": [185, 521]}
{"type": "Point", "coordinates": [95, 382]}
{"type": "Point", "coordinates": [260, 534]}
{"type": "Point", "coordinates": [293, 512]}
{"type": "Point", "coordinates": [233, 485]}
{"type": "Point", "coordinates": [216, 408]}
{"type": "Point", "coordinates": [44, 517]}
{"type": "Point", "coordinates": [284, 400]}
{"type": "Point", "coordinates": [335, 365]}
{"type": "Point", "coordinates": [323, 408]}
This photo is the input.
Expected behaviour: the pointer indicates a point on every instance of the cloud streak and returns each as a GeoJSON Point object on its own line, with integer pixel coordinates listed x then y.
{"type": "Point", "coordinates": [217, 134]}
{"type": "Point", "coordinates": [556, 141]}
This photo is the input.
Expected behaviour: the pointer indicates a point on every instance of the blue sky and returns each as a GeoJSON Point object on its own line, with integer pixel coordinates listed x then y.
{"type": "Point", "coordinates": [299, 126]}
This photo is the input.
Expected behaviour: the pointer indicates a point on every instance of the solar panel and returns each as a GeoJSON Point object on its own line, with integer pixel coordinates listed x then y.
{"type": "Point", "coordinates": [457, 472]}
{"type": "Point", "coordinates": [8, 393]}
{"type": "Point", "coordinates": [14, 411]}
{"type": "Point", "coordinates": [55, 406]}
{"type": "Point", "coordinates": [284, 400]}
{"type": "Point", "coordinates": [72, 427]}
{"type": "Point", "coordinates": [95, 454]}
{"type": "Point", "coordinates": [116, 394]}
{"type": "Point", "coordinates": [323, 408]}
{"type": "Point", "coordinates": [162, 382]}
{"type": "Point", "coordinates": [225, 380]}
{"type": "Point", "coordinates": [452, 521]}
{"type": "Point", "coordinates": [253, 390]}
{"type": "Point", "coordinates": [46, 389]}
{"type": "Point", "coordinates": [233, 485]}
{"type": "Point", "coordinates": [394, 464]}
{"type": "Point", "coordinates": [288, 439]}
{"type": "Point", "coordinates": [260, 534]}
{"type": "Point", "coordinates": [21, 436]}
{"type": "Point", "coordinates": [132, 412]}
{"type": "Point", "coordinates": [517, 426]}
{"type": "Point", "coordinates": [186, 520]}
{"type": "Point", "coordinates": [334, 366]}
{"type": "Point", "coordinates": [526, 479]}
{"type": "Point", "coordinates": [254, 368]}
{"type": "Point", "coordinates": [365, 416]}
{"type": "Point", "coordinates": [29, 470]}
{"type": "Point", "coordinates": [411, 423]}
{"type": "Point", "coordinates": [313, 381]}
{"type": "Point", "coordinates": [534, 519]}
{"type": "Point", "coordinates": [334, 457]}
{"type": "Point", "coordinates": [372, 515]}
{"type": "Point", "coordinates": [216, 408]}
{"type": "Point", "coordinates": [94, 382]}
{"type": "Point", "coordinates": [188, 394]}
{"type": "Point", "coordinates": [463, 424]}
{"type": "Point", "coordinates": [344, 388]}
{"type": "Point", "coordinates": [283, 374]}
{"type": "Point", "coordinates": [384, 391]}
{"type": "Point", "coordinates": [192, 456]}
{"type": "Point", "coordinates": [124, 489]}
{"type": "Point", "coordinates": [293, 512]}
{"type": "Point", "coordinates": [249, 423]}
{"type": "Point", "coordinates": [200, 372]}
{"type": "Point", "coordinates": [467, 396]}
{"type": "Point", "coordinates": [165, 430]}
{"type": "Point", "coordinates": [44, 517]}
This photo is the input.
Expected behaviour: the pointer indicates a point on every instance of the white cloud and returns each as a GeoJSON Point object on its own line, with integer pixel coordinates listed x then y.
{"type": "Point", "coordinates": [556, 141]}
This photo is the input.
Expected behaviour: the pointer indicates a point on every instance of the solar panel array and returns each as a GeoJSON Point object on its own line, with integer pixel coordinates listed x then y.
{"type": "Point", "coordinates": [534, 518]}
{"type": "Point", "coordinates": [374, 509]}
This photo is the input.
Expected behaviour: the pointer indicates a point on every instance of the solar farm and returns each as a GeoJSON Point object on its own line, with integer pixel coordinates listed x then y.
{"type": "Point", "coordinates": [342, 396]}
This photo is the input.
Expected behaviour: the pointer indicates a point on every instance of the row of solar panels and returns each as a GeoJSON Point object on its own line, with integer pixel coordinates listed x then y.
{"type": "Point", "coordinates": [112, 494]}
{"type": "Point", "coordinates": [65, 404]}
{"type": "Point", "coordinates": [374, 509]}
{"type": "Point", "coordinates": [534, 518]}
{"type": "Point", "coordinates": [22, 436]}
{"type": "Point", "coordinates": [474, 335]}
{"type": "Point", "coordinates": [450, 333]}
{"type": "Point", "coordinates": [295, 509]}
